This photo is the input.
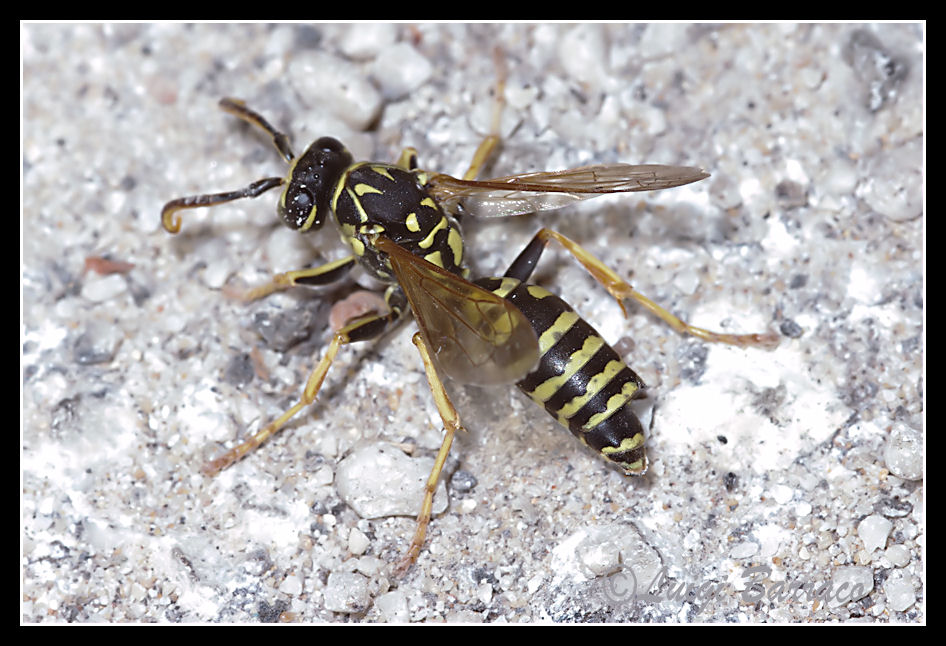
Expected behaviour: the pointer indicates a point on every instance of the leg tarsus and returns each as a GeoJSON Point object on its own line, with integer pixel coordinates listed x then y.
{"type": "Point", "coordinates": [767, 340]}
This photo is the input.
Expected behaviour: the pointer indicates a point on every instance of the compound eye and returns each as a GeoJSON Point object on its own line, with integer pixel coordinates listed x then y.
{"type": "Point", "coordinates": [302, 202]}
{"type": "Point", "coordinates": [299, 211]}
{"type": "Point", "coordinates": [329, 144]}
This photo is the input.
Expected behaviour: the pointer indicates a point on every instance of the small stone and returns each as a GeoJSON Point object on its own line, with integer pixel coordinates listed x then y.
{"type": "Point", "coordinates": [353, 98]}
{"type": "Point", "coordinates": [899, 590]}
{"type": "Point", "coordinates": [282, 330]}
{"type": "Point", "coordinates": [357, 542]}
{"type": "Point", "coordinates": [346, 592]}
{"type": "Point", "coordinates": [606, 550]}
{"type": "Point", "coordinates": [368, 40]}
{"type": "Point", "coordinates": [99, 290]}
{"type": "Point", "coordinates": [400, 71]}
{"type": "Point", "coordinates": [898, 555]}
{"type": "Point", "coordinates": [850, 583]}
{"type": "Point", "coordinates": [484, 592]}
{"type": "Point", "coordinates": [743, 550]}
{"type": "Point", "coordinates": [98, 344]}
{"type": "Point", "coordinates": [873, 531]}
{"type": "Point", "coordinates": [393, 607]}
{"type": "Point", "coordinates": [379, 480]}
{"type": "Point", "coordinates": [583, 53]}
{"type": "Point", "coordinates": [903, 454]}
{"type": "Point", "coordinates": [291, 585]}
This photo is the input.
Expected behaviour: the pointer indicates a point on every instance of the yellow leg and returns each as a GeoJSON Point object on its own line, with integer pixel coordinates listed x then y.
{"type": "Point", "coordinates": [408, 159]}
{"type": "Point", "coordinates": [482, 155]}
{"type": "Point", "coordinates": [488, 146]}
{"type": "Point", "coordinates": [358, 330]}
{"type": "Point", "coordinates": [321, 275]}
{"type": "Point", "coordinates": [308, 396]}
{"type": "Point", "coordinates": [622, 291]}
{"type": "Point", "coordinates": [451, 424]}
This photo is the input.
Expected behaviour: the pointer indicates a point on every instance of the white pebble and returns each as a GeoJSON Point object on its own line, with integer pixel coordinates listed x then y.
{"type": "Point", "coordinates": [599, 559]}
{"type": "Point", "coordinates": [357, 542]}
{"type": "Point", "coordinates": [873, 531]}
{"type": "Point", "coordinates": [850, 583]}
{"type": "Point", "coordinates": [103, 289]}
{"type": "Point", "coordinates": [648, 120]}
{"type": "Point", "coordinates": [583, 53]}
{"type": "Point", "coordinates": [903, 454]}
{"type": "Point", "coordinates": [604, 550]}
{"type": "Point", "coordinates": [899, 590]}
{"type": "Point", "coordinates": [782, 494]}
{"type": "Point", "coordinates": [840, 178]}
{"type": "Point", "coordinates": [217, 272]}
{"type": "Point", "coordinates": [47, 505]}
{"type": "Point", "coordinates": [393, 607]}
{"type": "Point", "coordinates": [743, 550]}
{"type": "Point", "coordinates": [379, 480]}
{"type": "Point", "coordinates": [370, 566]}
{"type": "Point", "coordinates": [322, 476]}
{"type": "Point", "coordinates": [895, 189]}
{"type": "Point", "coordinates": [368, 39]}
{"type": "Point", "coordinates": [687, 281]}
{"type": "Point", "coordinates": [898, 555]}
{"type": "Point", "coordinates": [812, 77]}
{"type": "Point", "coordinates": [484, 592]}
{"type": "Point", "coordinates": [291, 585]}
{"type": "Point", "coordinates": [661, 39]}
{"type": "Point", "coordinates": [346, 592]}
{"type": "Point", "coordinates": [399, 70]}
{"type": "Point", "coordinates": [352, 98]}
{"type": "Point", "coordinates": [521, 97]}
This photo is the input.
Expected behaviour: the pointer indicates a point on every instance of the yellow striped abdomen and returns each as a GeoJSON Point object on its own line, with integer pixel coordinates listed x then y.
{"type": "Point", "coordinates": [580, 379]}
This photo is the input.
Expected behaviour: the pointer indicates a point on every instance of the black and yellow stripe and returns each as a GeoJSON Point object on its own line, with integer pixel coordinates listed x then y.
{"type": "Point", "coordinates": [580, 379]}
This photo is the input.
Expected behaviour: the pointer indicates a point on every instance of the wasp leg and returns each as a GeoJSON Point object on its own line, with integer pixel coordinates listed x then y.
{"type": "Point", "coordinates": [408, 159]}
{"type": "Point", "coordinates": [361, 329]}
{"type": "Point", "coordinates": [487, 148]}
{"type": "Point", "coordinates": [322, 275]}
{"type": "Point", "coordinates": [238, 108]}
{"type": "Point", "coordinates": [451, 424]}
{"type": "Point", "coordinates": [523, 266]}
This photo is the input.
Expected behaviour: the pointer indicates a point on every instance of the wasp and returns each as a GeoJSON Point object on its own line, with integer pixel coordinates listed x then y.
{"type": "Point", "coordinates": [401, 224]}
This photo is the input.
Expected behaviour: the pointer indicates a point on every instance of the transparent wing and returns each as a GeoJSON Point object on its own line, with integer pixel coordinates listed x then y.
{"type": "Point", "coordinates": [531, 192]}
{"type": "Point", "coordinates": [475, 336]}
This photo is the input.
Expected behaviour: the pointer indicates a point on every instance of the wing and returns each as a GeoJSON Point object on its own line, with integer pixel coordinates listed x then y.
{"type": "Point", "coordinates": [474, 335]}
{"type": "Point", "coordinates": [531, 192]}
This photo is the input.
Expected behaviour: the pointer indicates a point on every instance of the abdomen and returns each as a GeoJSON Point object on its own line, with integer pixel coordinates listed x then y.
{"type": "Point", "coordinates": [580, 380]}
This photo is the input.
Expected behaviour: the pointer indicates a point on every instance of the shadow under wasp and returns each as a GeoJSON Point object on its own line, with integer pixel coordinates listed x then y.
{"type": "Point", "coordinates": [400, 224]}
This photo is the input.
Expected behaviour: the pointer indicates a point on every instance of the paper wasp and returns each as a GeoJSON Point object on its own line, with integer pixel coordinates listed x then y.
{"type": "Point", "coordinates": [399, 222]}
